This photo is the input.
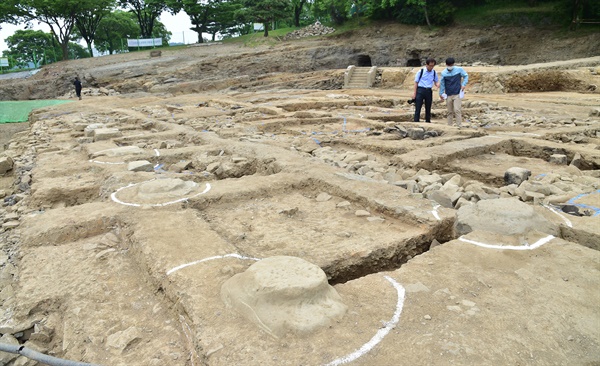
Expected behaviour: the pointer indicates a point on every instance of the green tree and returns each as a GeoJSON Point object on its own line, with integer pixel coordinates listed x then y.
{"type": "Point", "coordinates": [146, 12]}
{"type": "Point", "coordinates": [34, 46]}
{"type": "Point", "coordinates": [88, 19]}
{"type": "Point", "coordinates": [12, 12]}
{"type": "Point", "coordinates": [337, 10]}
{"type": "Point", "coordinates": [6, 9]}
{"type": "Point", "coordinates": [39, 48]}
{"type": "Point", "coordinates": [423, 4]}
{"type": "Point", "coordinates": [113, 29]}
{"type": "Point", "coordinates": [59, 15]}
{"type": "Point", "coordinates": [297, 6]}
{"type": "Point", "coordinates": [263, 11]}
{"type": "Point", "coordinates": [202, 13]}
{"type": "Point", "coordinates": [407, 6]}
{"type": "Point", "coordinates": [224, 20]}
{"type": "Point", "coordinates": [77, 51]}
{"type": "Point", "coordinates": [160, 31]}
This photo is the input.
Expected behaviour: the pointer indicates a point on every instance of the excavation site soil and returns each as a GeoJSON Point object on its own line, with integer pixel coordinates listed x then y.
{"type": "Point", "coordinates": [227, 204]}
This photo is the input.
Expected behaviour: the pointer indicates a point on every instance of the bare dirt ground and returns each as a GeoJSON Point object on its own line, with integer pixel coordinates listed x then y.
{"type": "Point", "coordinates": [248, 153]}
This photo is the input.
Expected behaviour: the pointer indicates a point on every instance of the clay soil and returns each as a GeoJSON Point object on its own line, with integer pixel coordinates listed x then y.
{"type": "Point", "coordinates": [99, 266]}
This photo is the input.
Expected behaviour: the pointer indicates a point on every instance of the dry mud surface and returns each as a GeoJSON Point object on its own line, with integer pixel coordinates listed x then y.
{"type": "Point", "coordinates": [107, 265]}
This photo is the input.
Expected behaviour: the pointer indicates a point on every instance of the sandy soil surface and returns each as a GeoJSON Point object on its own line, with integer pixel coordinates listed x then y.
{"type": "Point", "coordinates": [126, 212]}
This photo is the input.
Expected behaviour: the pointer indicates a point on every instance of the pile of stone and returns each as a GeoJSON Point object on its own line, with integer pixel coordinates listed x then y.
{"type": "Point", "coordinates": [415, 133]}
{"type": "Point", "coordinates": [454, 191]}
{"type": "Point", "coordinates": [93, 92]}
{"type": "Point", "coordinates": [491, 115]}
{"type": "Point", "coordinates": [316, 29]}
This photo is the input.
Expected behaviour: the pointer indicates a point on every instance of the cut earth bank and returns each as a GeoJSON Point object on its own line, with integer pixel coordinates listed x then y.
{"type": "Point", "coordinates": [125, 214]}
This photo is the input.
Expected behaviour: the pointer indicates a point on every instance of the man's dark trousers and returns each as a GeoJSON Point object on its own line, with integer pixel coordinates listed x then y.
{"type": "Point", "coordinates": [425, 94]}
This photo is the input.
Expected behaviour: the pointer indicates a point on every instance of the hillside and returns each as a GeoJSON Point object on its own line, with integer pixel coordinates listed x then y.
{"type": "Point", "coordinates": [309, 62]}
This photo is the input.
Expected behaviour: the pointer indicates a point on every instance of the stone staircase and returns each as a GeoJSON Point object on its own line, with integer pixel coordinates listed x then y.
{"type": "Point", "coordinates": [359, 77]}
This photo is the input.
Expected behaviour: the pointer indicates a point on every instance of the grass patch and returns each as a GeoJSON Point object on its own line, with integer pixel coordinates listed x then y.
{"type": "Point", "coordinates": [509, 13]}
{"type": "Point", "coordinates": [350, 25]}
{"type": "Point", "coordinates": [258, 38]}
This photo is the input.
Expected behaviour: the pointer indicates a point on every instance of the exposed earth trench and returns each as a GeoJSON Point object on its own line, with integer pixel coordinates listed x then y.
{"type": "Point", "coordinates": [125, 213]}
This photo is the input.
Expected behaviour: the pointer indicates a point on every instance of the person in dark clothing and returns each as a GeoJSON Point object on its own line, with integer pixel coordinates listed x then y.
{"type": "Point", "coordinates": [425, 79]}
{"type": "Point", "coordinates": [77, 84]}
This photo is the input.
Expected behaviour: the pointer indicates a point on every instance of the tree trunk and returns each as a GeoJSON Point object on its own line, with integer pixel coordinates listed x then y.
{"type": "Point", "coordinates": [89, 47]}
{"type": "Point", "coordinates": [427, 17]}
{"type": "Point", "coordinates": [297, 12]}
{"type": "Point", "coordinates": [111, 47]}
{"type": "Point", "coordinates": [64, 46]}
{"type": "Point", "coordinates": [575, 17]}
{"type": "Point", "coordinates": [266, 26]}
{"type": "Point", "coordinates": [199, 32]}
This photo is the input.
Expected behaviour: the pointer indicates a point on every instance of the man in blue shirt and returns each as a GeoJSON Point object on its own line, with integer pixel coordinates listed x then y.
{"type": "Point", "coordinates": [425, 79]}
{"type": "Point", "coordinates": [452, 89]}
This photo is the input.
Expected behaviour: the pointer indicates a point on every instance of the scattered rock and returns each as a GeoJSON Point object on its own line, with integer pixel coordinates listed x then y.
{"type": "Point", "coordinates": [343, 204]}
{"type": "Point", "coordinates": [416, 133]}
{"type": "Point", "coordinates": [6, 164]}
{"type": "Point", "coordinates": [10, 225]}
{"type": "Point", "coordinates": [503, 216]}
{"type": "Point", "coordinates": [440, 197]}
{"type": "Point", "coordinates": [89, 129]}
{"type": "Point", "coordinates": [140, 166]}
{"type": "Point", "coordinates": [289, 211]}
{"type": "Point", "coordinates": [118, 342]}
{"type": "Point", "coordinates": [516, 175]}
{"type": "Point", "coordinates": [559, 159]}
{"type": "Point", "coordinates": [101, 134]}
{"type": "Point", "coordinates": [323, 197]}
{"type": "Point", "coordinates": [576, 161]}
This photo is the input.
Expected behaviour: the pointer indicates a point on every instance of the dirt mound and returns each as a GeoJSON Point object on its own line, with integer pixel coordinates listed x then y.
{"type": "Point", "coordinates": [543, 81]}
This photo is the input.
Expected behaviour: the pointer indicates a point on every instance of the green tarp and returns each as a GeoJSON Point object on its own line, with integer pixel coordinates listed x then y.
{"type": "Point", "coordinates": [19, 111]}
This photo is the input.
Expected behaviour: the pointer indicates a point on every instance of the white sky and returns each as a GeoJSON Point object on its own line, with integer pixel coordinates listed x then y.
{"type": "Point", "coordinates": [179, 25]}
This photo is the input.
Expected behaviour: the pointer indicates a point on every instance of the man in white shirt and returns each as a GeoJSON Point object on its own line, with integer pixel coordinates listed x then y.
{"type": "Point", "coordinates": [425, 79]}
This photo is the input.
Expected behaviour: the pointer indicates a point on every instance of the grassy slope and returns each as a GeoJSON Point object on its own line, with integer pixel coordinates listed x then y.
{"type": "Point", "coordinates": [506, 13]}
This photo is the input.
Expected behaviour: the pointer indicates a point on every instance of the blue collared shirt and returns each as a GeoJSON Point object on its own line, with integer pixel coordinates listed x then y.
{"type": "Point", "coordinates": [428, 78]}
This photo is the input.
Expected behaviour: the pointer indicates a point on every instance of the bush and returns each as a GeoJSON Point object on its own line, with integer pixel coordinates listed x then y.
{"type": "Point", "coordinates": [442, 13]}
{"type": "Point", "coordinates": [410, 15]}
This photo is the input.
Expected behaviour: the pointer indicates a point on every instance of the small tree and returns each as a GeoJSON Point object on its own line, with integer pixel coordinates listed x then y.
{"type": "Point", "coordinates": [423, 4]}
{"type": "Point", "coordinates": [113, 28]}
{"type": "Point", "coordinates": [33, 46]}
